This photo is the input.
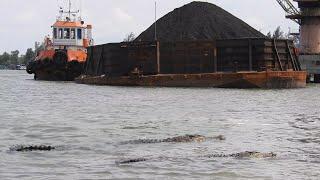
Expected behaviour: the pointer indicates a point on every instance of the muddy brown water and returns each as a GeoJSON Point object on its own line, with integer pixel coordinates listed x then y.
{"type": "Point", "coordinates": [88, 124]}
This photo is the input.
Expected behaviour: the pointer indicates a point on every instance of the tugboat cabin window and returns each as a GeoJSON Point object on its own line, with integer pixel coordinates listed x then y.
{"type": "Point", "coordinates": [85, 33]}
{"type": "Point", "coordinates": [66, 33]}
{"type": "Point", "coordinates": [55, 35]}
{"type": "Point", "coordinates": [73, 33]}
{"type": "Point", "coordinates": [79, 33]}
{"type": "Point", "coordinates": [60, 33]}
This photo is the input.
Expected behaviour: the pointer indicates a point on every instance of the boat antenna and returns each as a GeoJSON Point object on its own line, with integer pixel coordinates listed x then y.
{"type": "Point", "coordinates": [69, 9]}
{"type": "Point", "coordinates": [69, 12]}
{"type": "Point", "coordinates": [58, 4]}
{"type": "Point", "coordinates": [155, 21]}
{"type": "Point", "coordinates": [80, 9]}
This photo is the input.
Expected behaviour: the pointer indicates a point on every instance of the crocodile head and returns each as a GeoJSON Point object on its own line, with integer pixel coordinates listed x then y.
{"type": "Point", "coordinates": [187, 138]}
{"type": "Point", "coordinates": [254, 154]}
{"type": "Point", "coordinates": [196, 138]}
{"type": "Point", "coordinates": [263, 155]}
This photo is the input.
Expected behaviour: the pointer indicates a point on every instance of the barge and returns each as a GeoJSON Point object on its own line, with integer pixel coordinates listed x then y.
{"type": "Point", "coordinates": [224, 63]}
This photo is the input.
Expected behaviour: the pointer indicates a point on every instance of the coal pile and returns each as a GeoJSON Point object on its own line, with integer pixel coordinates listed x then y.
{"type": "Point", "coordinates": [199, 21]}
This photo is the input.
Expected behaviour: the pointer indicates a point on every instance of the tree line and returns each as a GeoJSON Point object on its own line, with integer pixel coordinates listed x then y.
{"type": "Point", "coordinates": [10, 60]}
{"type": "Point", "coordinates": [14, 58]}
{"type": "Point", "coordinates": [279, 34]}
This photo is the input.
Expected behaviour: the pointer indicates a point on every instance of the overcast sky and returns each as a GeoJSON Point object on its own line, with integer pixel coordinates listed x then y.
{"type": "Point", "coordinates": [25, 21]}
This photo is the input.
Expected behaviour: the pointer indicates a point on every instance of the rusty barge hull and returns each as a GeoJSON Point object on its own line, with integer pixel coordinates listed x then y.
{"type": "Point", "coordinates": [265, 80]}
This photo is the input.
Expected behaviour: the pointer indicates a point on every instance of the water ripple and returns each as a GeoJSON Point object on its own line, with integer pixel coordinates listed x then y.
{"type": "Point", "coordinates": [89, 122]}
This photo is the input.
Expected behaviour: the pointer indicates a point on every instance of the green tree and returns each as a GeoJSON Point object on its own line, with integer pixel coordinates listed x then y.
{"type": "Point", "coordinates": [29, 56]}
{"type": "Point", "coordinates": [269, 35]}
{"type": "Point", "coordinates": [5, 59]}
{"type": "Point", "coordinates": [129, 37]}
{"type": "Point", "coordinates": [278, 33]}
{"type": "Point", "coordinates": [22, 59]}
{"type": "Point", "coordinates": [14, 57]}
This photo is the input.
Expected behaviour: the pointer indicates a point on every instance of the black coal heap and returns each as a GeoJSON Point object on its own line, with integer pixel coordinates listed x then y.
{"type": "Point", "coordinates": [199, 21]}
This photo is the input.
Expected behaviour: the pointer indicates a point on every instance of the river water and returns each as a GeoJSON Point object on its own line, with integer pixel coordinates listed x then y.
{"type": "Point", "coordinates": [88, 123]}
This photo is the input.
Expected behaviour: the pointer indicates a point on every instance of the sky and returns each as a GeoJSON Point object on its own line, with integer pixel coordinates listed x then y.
{"type": "Point", "coordinates": [25, 21]}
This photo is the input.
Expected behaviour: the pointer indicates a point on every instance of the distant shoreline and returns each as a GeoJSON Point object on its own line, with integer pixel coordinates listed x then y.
{"type": "Point", "coordinates": [13, 67]}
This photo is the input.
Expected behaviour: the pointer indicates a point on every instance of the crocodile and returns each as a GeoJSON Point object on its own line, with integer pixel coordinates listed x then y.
{"type": "Point", "coordinates": [23, 148]}
{"type": "Point", "coordinates": [129, 161]}
{"type": "Point", "coordinates": [177, 139]}
{"type": "Point", "coordinates": [246, 154]}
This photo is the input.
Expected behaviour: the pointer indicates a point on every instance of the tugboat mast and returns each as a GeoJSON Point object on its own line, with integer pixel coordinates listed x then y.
{"type": "Point", "coordinates": [69, 12]}
{"type": "Point", "coordinates": [69, 9]}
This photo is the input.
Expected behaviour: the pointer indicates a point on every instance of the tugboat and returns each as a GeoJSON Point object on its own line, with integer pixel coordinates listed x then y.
{"type": "Point", "coordinates": [64, 55]}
